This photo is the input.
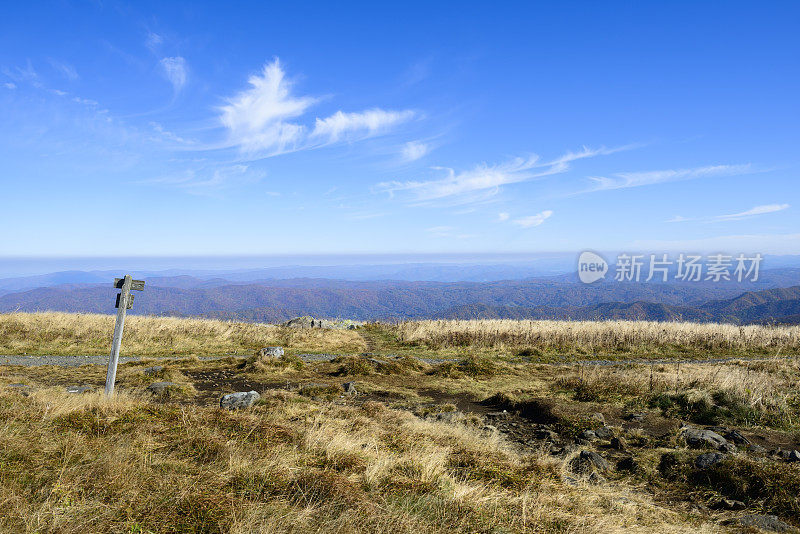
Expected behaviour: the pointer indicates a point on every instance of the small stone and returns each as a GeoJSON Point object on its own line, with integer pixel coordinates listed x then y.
{"type": "Point", "coordinates": [635, 417]}
{"type": "Point", "coordinates": [709, 459]}
{"type": "Point", "coordinates": [736, 437]}
{"type": "Point", "coordinates": [588, 435]}
{"type": "Point", "coordinates": [350, 388]}
{"type": "Point", "coordinates": [154, 370]}
{"type": "Point", "coordinates": [731, 504]}
{"type": "Point", "coordinates": [587, 460]}
{"type": "Point", "coordinates": [604, 432]}
{"type": "Point", "coordinates": [758, 449]}
{"type": "Point", "coordinates": [79, 389]}
{"type": "Point", "coordinates": [239, 400]}
{"type": "Point", "coordinates": [271, 352]}
{"type": "Point", "coordinates": [698, 438]}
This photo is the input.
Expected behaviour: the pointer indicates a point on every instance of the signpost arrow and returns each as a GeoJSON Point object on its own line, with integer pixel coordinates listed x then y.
{"type": "Point", "coordinates": [124, 303]}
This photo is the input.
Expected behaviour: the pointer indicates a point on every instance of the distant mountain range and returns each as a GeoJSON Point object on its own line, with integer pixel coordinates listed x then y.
{"type": "Point", "coordinates": [558, 297]}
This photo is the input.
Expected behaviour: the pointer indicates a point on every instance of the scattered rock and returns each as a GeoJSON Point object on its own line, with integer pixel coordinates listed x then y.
{"type": "Point", "coordinates": [275, 353]}
{"type": "Point", "coordinates": [588, 460]}
{"type": "Point", "coordinates": [79, 389]}
{"type": "Point", "coordinates": [730, 504]}
{"type": "Point", "coordinates": [758, 449]}
{"type": "Point", "coordinates": [698, 438]}
{"type": "Point", "coordinates": [788, 455]}
{"type": "Point", "coordinates": [769, 523]}
{"type": "Point", "coordinates": [588, 435]}
{"type": "Point", "coordinates": [736, 437]}
{"type": "Point", "coordinates": [709, 459]}
{"type": "Point", "coordinates": [239, 400]}
{"type": "Point", "coordinates": [350, 388]}
{"type": "Point", "coordinates": [154, 370]}
{"type": "Point", "coordinates": [157, 388]}
{"type": "Point", "coordinates": [604, 432]}
{"type": "Point", "coordinates": [619, 443]}
{"type": "Point", "coordinates": [635, 417]}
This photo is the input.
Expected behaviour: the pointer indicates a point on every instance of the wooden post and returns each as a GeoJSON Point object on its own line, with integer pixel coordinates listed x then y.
{"type": "Point", "coordinates": [124, 303]}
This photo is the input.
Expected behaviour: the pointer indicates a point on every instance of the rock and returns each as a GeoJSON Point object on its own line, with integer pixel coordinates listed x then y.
{"type": "Point", "coordinates": [736, 437]}
{"type": "Point", "coordinates": [239, 400]}
{"type": "Point", "coordinates": [597, 417]}
{"type": "Point", "coordinates": [788, 455]}
{"type": "Point", "coordinates": [350, 388]}
{"type": "Point", "coordinates": [731, 504]}
{"type": "Point", "coordinates": [79, 389]}
{"type": "Point", "coordinates": [604, 432]}
{"type": "Point", "coordinates": [449, 417]}
{"type": "Point", "coordinates": [154, 370]}
{"type": "Point", "coordinates": [769, 523]}
{"type": "Point", "coordinates": [709, 459]}
{"type": "Point", "coordinates": [588, 435]}
{"type": "Point", "coordinates": [635, 417]}
{"type": "Point", "coordinates": [619, 443]}
{"type": "Point", "coordinates": [698, 438]}
{"type": "Point", "coordinates": [157, 388]}
{"type": "Point", "coordinates": [275, 353]}
{"type": "Point", "coordinates": [588, 460]}
{"type": "Point", "coordinates": [596, 479]}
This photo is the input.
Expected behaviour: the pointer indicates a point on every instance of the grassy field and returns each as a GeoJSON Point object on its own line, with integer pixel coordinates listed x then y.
{"type": "Point", "coordinates": [470, 443]}
{"type": "Point", "coordinates": [87, 334]}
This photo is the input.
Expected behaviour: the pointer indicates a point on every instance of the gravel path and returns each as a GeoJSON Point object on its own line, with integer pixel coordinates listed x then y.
{"type": "Point", "coordinates": [76, 361]}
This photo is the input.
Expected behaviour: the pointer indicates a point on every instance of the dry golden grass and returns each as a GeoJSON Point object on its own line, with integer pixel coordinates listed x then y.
{"type": "Point", "coordinates": [89, 334]}
{"type": "Point", "coordinates": [599, 336]}
{"type": "Point", "coordinates": [87, 464]}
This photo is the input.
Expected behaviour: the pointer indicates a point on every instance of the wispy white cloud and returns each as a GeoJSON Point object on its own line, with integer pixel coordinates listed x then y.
{"type": "Point", "coordinates": [414, 150]}
{"type": "Point", "coordinates": [10, 85]}
{"type": "Point", "coordinates": [175, 71]}
{"type": "Point", "coordinates": [366, 123]}
{"type": "Point", "coordinates": [65, 69]}
{"type": "Point", "coordinates": [263, 119]}
{"type": "Point", "coordinates": [153, 41]}
{"type": "Point", "coordinates": [626, 180]}
{"type": "Point", "coordinates": [207, 181]}
{"type": "Point", "coordinates": [503, 216]}
{"type": "Point", "coordinates": [533, 220]}
{"type": "Point", "coordinates": [752, 212]}
{"type": "Point", "coordinates": [26, 74]}
{"type": "Point", "coordinates": [484, 181]}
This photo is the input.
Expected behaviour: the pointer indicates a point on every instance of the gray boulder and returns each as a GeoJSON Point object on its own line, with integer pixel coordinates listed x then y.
{"type": "Point", "coordinates": [701, 439]}
{"type": "Point", "coordinates": [604, 432]}
{"type": "Point", "coordinates": [736, 437]}
{"type": "Point", "coordinates": [588, 435]}
{"type": "Point", "coordinates": [239, 400]}
{"type": "Point", "coordinates": [271, 352]}
{"type": "Point", "coordinates": [709, 459]}
{"type": "Point", "coordinates": [769, 523]}
{"type": "Point", "coordinates": [154, 370]}
{"type": "Point", "coordinates": [587, 461]}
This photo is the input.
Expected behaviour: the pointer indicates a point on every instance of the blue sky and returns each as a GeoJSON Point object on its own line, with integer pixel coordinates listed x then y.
{"type": "Point", "coordinates": [171, 128]}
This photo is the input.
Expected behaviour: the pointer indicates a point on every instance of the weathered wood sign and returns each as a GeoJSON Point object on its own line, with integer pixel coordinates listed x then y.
{"type": "Point", "coordinates": [123, 304]}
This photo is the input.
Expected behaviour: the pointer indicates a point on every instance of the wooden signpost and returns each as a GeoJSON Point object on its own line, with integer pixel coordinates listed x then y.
{"type": "Point", "coordinates": [124, 303]}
